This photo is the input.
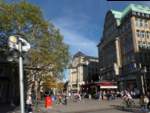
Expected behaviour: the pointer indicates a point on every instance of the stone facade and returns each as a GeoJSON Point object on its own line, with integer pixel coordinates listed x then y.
{"type": "Point", "coordinates": [83, 69]}
{"type": "Point", "coordinates": [124, 49]}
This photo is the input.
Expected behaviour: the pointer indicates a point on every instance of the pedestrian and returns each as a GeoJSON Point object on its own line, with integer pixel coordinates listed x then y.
{"type": "Point", "coordinates": [102, 94]}
{"type": "Point", "coordinates": [90, 96]}
{"type": "Point", "coordinates": [65, 100]}
{"type": "Point", "coordinates": [141, 101]}
{"type": "Point", "coordinates": [59, 99]}
{"type": "Point", "coordinates": [80, 97]}
{"type": "Point", "coordinates": [29, 104]}
{"type": "Point", "coordinates": [146, 101]}
{"type": "Point", "coordinates": [148, 105]}
{"type": "Point", "coordinates": [69, 94]}
{"type": "Point", "coordinates": [99, 95]}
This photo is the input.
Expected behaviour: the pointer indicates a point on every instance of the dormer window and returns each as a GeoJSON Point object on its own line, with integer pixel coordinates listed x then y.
{"type": "Point", "coordinates": [138, 14]}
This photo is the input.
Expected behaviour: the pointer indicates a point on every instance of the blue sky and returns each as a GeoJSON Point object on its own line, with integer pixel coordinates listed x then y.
{"type": "Point", "coordinates": [80, 21]}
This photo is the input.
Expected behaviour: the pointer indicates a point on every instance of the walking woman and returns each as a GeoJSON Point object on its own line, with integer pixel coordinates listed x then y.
{"type": "Point", "coordinates": [29, 104]}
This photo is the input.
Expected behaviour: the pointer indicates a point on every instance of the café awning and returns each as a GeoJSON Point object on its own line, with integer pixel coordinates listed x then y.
{"type": "Point", "coordinates": [108, 87]}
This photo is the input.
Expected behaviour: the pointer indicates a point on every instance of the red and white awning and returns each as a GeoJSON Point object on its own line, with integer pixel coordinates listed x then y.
{"type": "Point", "coordinates": [108, 87]}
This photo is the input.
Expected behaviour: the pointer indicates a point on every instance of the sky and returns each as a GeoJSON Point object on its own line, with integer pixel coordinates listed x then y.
{"type": "Point", "coordinates": [80, 21]}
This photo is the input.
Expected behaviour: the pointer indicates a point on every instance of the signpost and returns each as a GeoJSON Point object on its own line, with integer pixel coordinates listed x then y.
{"type": "Point", "coordinates": [19, 44]}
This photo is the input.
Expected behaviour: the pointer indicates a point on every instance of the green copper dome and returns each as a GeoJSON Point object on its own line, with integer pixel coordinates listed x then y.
{"type": "Point", "coordinates": [117, 15]}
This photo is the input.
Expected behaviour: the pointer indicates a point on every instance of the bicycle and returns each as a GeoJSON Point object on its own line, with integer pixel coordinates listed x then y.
{"type": "Point", "coordinates": [128, 103]}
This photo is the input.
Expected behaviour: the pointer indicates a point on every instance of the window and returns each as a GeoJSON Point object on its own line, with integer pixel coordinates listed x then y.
{"type": "Point", "coordinates": [138, 33]}
{"type": "Point", "coordinates": [143, 14]}
{"type": "Point", "coordinates": [147, 15]}
{"type": "Point", "coordinates": [146, 35]}
{"type": "Point", "coordinates": [141, 22]}
{"type": "Point", "coordinates": [146, 24]}
{"type": "Point", "coordinates": [137, 22]}
{"type": "Point", "coordinates": [138, 14]}
{"type": "Point", "coordinates": [142, 34]}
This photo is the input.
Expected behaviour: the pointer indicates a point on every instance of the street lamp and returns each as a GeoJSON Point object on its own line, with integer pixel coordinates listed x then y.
{"type": "Point", "coordinates": [19, 44]}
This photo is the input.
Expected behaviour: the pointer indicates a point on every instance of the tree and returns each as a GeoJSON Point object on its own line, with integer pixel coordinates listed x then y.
{"type": "Point", "coordinates": [49, 54]}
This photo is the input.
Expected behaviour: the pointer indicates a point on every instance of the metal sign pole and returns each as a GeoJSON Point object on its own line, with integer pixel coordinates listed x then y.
{"type": "Point", "coordinates": [21, 78]}
{"type": "Point", "coordinates": [22, 45]}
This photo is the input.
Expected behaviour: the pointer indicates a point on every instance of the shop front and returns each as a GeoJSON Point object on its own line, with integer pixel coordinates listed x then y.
{"type": "Point", "coordinates": [99, 86]}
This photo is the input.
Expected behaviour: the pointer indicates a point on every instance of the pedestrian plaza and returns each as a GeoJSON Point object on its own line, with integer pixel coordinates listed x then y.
{"type": "Point", "coordinates": [86, 106]}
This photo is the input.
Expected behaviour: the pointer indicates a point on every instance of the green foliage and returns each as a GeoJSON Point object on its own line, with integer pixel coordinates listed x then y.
{"type": "Point", "coordinates": [49, 52]}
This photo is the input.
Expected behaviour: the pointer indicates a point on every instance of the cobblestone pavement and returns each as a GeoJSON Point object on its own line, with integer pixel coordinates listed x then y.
{"type": "Point", "coordinates": [90, 106]}
{"type": "Point", "coordinates": [84, 106]}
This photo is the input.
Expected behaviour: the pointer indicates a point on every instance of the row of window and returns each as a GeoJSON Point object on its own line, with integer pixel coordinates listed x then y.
{"type": "Point", "coordinates": [142, 23]}
{"type": "Point", "coordinates": [143, 34]}
{"type": "Point", "coordinates": [141, 14]}
{"type": "Point", "coordinates": [145, 45]}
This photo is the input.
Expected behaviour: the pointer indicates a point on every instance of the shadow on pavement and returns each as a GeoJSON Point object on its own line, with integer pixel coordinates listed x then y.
{"type": "Point", "coordinates": [88, 111]}
{"type": "Point", "coordinates": [121, 108]}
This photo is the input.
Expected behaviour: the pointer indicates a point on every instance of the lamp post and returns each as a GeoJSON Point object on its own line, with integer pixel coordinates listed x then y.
{"type": "Point", "coordinates": [19, 44]}
{"type": "Point", "coordinates": [21, 77]}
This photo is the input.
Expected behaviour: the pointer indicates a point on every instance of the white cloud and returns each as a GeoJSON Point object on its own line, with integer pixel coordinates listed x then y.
{"type": "Point", "coordinates": [74, 38]}
{"type": "Point", "coordinates": [79, 42]}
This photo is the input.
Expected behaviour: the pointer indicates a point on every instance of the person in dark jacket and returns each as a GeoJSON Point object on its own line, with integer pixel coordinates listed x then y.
{"type": "Point", "coordinates": [65, 100]}
{"type": "Point", "coordinates": [148, 105]}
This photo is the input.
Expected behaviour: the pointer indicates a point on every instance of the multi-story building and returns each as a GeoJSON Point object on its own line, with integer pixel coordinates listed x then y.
{"type": "Point", "coordinates": [124, 49]}
{"type": "Point", "coordinates": [83, 70]}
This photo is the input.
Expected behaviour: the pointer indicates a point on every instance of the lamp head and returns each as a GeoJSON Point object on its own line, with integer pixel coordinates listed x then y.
{"type": "Point", "coordinates": [13, 39]}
